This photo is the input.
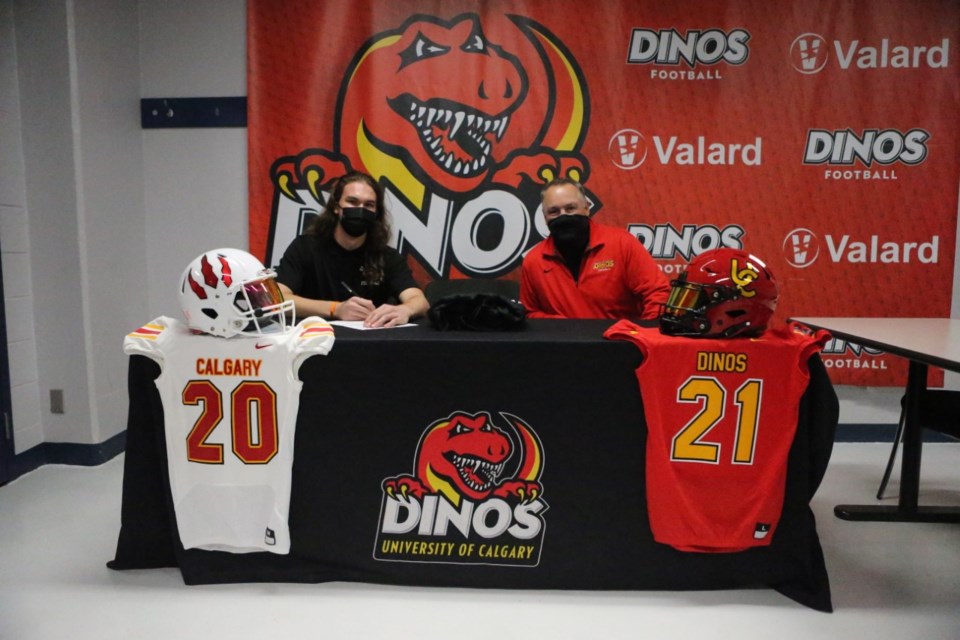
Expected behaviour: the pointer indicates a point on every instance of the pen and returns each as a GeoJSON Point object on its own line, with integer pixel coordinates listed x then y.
{"type": "Point", "coordinates": [349, 289]}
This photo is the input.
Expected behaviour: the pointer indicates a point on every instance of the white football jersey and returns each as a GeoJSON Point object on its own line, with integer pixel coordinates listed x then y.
{"type": "Point", "coordinates": [230, 412]}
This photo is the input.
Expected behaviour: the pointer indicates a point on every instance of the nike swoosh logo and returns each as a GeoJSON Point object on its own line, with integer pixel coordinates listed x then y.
{"type": "Point", "coordinates": [263, 346]}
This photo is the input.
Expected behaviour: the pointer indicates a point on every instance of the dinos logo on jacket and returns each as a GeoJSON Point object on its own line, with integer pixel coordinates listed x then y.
{"type": "Point", "coordinates": [474, 496]}
{"type": "Point", "coordinates": [461, 131]}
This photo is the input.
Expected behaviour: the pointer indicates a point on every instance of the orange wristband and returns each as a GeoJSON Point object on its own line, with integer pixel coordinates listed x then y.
{"type": "Point", "coordinates": [333, 310]}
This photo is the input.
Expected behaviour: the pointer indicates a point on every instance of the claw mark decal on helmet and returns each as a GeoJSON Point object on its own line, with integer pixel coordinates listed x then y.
{"type": "Point", "coordinates": [209, 277]}
{"type": "Point", "coordinates": [474, 496]}
{"type": "Point", "coordinates": [225, 274]}
{"type": "Point", "coordinates": [197, 289]}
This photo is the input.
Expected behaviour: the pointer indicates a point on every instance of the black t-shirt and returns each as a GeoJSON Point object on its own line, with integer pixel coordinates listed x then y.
{"type": "Point", "coordinates": [315, 268]}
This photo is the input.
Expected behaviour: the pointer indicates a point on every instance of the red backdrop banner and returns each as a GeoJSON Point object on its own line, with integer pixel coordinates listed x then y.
{"type": "Point", "coordinates": [821, 136]}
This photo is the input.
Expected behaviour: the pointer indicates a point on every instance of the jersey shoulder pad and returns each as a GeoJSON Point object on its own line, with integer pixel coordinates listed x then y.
{"type": "Point", "coordinates": [150, 338]}
{"type": "Point", "coordinates": [643, 337]}
{"type": "Point", "coordinates": [313, 334]}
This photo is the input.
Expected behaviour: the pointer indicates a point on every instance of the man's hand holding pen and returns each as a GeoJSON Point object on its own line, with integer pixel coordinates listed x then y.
{"type": "Point", "coordinates": [357, 308]}
{"type": "Point", "coordinates": [354, 307]}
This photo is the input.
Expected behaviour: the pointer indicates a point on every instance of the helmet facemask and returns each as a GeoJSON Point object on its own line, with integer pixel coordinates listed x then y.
{"type": "Point", "coordinates": [687, 311]}
{"type": "Point", "coordinates": [259, 304]}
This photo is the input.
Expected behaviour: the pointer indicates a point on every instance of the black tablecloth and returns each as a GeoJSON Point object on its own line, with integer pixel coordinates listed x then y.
{"type": "Point", "coordinates": [365, 408]}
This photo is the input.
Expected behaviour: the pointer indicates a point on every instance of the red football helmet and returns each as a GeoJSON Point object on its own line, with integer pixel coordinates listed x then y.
{"type": "Point", "coordinates": [721, 294]}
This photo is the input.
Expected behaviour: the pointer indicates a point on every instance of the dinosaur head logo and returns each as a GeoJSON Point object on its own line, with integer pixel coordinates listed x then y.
{"type": "Point", "coordinates": [466, 455]}
{"type": "Point", "coordinates": [443, 97]}
{"type": "Point", "coordinates": [474, 496]}
{"type": "Point", "coordinates": [462, 121]}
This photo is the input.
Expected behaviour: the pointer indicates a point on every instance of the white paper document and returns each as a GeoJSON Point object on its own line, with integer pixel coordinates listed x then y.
{"type": "Point", "coordinates": [358, 324]}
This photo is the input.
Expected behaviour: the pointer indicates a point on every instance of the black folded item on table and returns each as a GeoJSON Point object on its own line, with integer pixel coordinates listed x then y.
{"type": "Point", "coordinates": [477, 312]}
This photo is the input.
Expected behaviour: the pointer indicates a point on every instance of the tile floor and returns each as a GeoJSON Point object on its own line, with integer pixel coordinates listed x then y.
{"type": "Point", "coordinates": [58, 527]}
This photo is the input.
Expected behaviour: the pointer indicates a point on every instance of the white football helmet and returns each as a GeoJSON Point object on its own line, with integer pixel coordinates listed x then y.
{"type": "Point", "coordinates": [228, 292]}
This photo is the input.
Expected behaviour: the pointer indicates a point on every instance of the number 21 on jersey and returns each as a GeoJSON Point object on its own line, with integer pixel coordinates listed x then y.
{"type": "Point", "coordinates": [691, 443]}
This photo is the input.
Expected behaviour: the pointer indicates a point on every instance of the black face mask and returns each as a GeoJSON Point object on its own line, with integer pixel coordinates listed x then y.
{"type": "Point", "coordinates": [356, 221]}
{"type": "Point", "coordinates": [570, 234]}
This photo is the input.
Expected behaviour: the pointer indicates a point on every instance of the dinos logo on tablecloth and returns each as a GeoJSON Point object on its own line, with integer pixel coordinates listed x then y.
{"type": "Point", "coordinates": [474, 496]}
{"type": "Point", "coordinates": [462, 133]}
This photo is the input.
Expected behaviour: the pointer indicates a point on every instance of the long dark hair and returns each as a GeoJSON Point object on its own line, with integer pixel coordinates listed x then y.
{"type": "Point", "coordinates": [377, 238]}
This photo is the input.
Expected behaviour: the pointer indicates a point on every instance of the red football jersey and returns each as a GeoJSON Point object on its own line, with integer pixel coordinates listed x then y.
{"type": "Point", "coordinates": [721, 416]}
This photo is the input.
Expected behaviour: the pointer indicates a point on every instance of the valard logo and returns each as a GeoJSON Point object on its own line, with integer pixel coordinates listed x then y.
{"type": "Point", "coordinates": [474, 497]}
{"type": "Point", "coordinates": [462, 122]}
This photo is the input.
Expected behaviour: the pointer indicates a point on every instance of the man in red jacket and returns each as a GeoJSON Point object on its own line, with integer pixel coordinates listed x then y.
{"type": "Point", "coordinates": [585, 269]}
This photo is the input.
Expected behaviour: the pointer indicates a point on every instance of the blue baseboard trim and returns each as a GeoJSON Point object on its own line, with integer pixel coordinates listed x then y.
{"type": "Point", "coordinates": [85, 455]}
{"type": "Point", "coordinates": [881, 433]}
